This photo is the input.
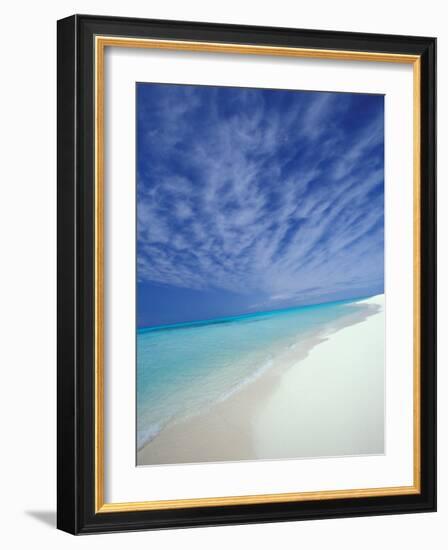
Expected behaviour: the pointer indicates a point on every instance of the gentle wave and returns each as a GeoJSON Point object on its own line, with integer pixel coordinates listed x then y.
{"type": "Point", "coordinates": [145, 436]}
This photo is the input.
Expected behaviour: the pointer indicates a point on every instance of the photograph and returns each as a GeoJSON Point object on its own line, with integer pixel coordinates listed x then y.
{"type": "Point", "coordinates": [260, 305]}
{"type": "Point", "coordinates": [246, 274]}
{"type": "Point", "coordinates": [222, 286]}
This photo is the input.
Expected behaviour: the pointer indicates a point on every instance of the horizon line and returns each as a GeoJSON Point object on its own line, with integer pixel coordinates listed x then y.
{"type": "Point", "coordinates": [217, 320]}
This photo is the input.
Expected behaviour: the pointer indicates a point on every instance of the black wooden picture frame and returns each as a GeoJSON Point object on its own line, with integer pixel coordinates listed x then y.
{"type": "Point", "coordinates": [80, 502]}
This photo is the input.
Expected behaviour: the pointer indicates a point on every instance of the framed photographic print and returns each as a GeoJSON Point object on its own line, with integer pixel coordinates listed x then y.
{"type": "Point", "coordinates": [246, 274]}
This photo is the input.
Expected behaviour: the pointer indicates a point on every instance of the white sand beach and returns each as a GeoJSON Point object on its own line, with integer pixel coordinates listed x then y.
{"type": "Point", "coordinates": [323, 398]}
{"type": "Point", "coordinates": [332, 403]}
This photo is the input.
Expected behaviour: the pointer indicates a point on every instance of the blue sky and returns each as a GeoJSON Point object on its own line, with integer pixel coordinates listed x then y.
{"type": "Point", "coordinates": [254, 199]}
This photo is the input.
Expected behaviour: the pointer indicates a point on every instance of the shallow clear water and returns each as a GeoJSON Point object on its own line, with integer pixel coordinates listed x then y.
{"type": "Point", "coordinates": [183, 369]}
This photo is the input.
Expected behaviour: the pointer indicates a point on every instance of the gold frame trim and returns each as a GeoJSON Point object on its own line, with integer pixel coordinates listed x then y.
{"type": "Point", "coordinates": [101, 42]}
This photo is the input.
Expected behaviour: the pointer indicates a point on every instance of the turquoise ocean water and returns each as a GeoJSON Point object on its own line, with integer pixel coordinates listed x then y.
{"type": "Point", "coordinates": [183, 369]}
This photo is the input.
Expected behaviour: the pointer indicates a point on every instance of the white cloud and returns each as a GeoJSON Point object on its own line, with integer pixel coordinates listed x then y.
{"type": "Point", "coordinates": [284, 202]}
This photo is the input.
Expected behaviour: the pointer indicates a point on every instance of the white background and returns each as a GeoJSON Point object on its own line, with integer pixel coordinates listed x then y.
{"type": "Point", "coordinates": [124, 482]}
{"type": "Point", "coordinates": [28, 274]}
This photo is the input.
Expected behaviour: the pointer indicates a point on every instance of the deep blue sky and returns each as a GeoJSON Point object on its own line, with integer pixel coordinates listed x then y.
{"type": "Point", "coordinates": [253, 199]}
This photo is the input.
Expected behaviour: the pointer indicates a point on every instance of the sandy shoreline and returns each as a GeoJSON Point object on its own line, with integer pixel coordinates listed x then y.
{"type": "Point", "coordinates": [324, 397]}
